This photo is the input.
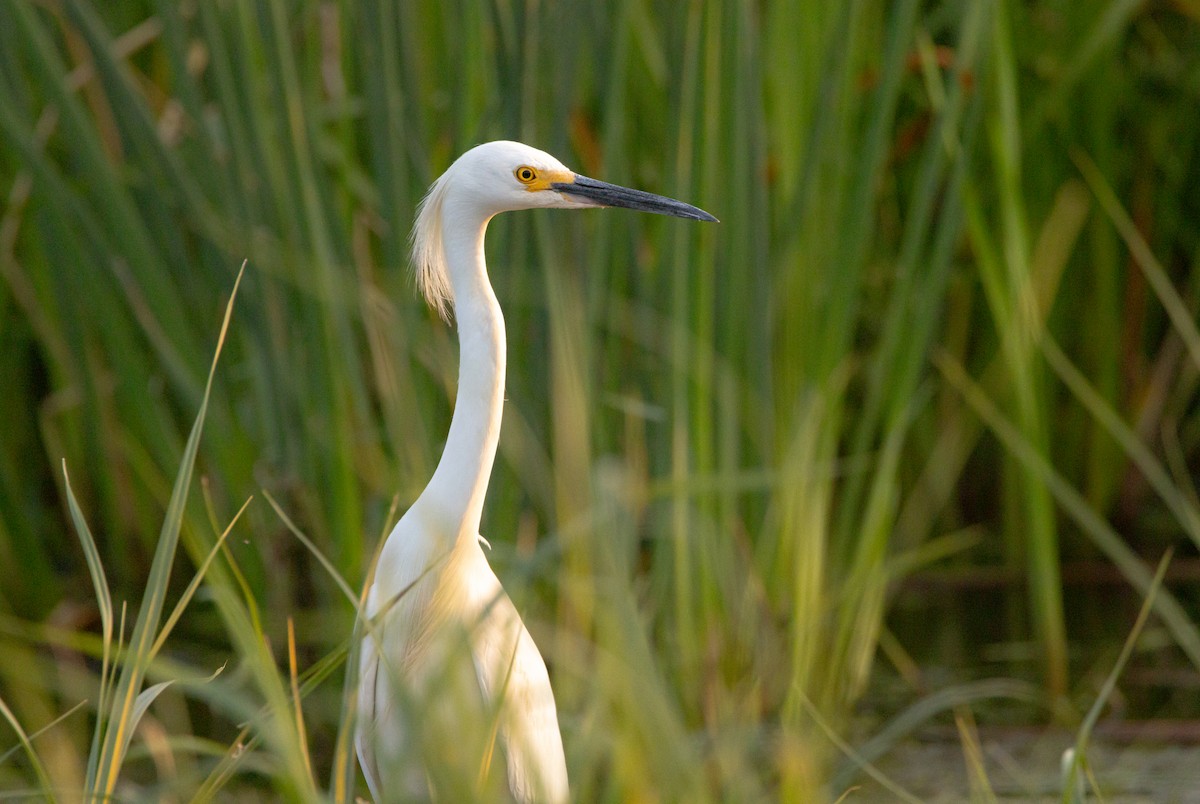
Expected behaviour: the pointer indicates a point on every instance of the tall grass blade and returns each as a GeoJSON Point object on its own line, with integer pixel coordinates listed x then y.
{"type": "Point", "coordinates": [1009, 284]}
{"type": "Point", "coordinates": [122, 718]}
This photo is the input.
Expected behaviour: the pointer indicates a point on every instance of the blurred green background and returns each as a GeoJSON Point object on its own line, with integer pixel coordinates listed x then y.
{"type": "Point", "coordinates": [919, 413]}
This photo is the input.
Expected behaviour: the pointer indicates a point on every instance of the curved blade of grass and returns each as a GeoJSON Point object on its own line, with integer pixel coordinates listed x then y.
{"type": "Point", "coordinates": [120, 720]}
{"type": "Point", "coordinates": [343, 771]}
{"type": "Point", "coordinates": [104, 602]}
{"type": "Point", "coordinates": [87, 644]}
{"type": "Point", "coordinates": [95, 565]}
{"type": "Point", "coordinates": [5, 756]}
{"type": "Point", "coordinates": [34, 759]}
{"type": "Point", "coordinates": [232, 565]}
{"type": "Point", "coordinates": [920, 712]}
{"type": "Point", "coordinates": [271, 722]}
{"type": "Point", "coordinates": [248, 739]}
{"type": "Point", "coordinates": [140, 705]}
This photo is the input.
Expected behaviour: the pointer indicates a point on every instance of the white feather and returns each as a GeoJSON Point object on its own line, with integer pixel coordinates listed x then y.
{"type": "Point", "coordinates": [449, 672]}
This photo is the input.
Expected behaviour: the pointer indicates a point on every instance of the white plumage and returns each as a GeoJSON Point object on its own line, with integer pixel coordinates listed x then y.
{"type": "Point", "coordinates": [450, 678]}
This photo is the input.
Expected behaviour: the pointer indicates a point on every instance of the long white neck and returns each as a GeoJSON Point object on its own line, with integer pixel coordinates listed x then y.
{"type": "Point", "coordinates": [456, 492]}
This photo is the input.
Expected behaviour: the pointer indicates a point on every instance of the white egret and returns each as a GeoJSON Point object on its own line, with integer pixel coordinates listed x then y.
{"type": "Point", "coordinates": [447, 666]}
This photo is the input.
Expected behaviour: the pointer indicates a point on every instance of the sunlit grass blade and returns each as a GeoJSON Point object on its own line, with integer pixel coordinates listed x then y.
{"type": "Point", "coordinates": [342, 772]}
{"type": "Point", "coordinates": [968, 735]}
{"type": "Point", "coordinates": [140, 704]}
{"type": "Point", "coordinates": [296, 708]}
{"type": "Point", "coordinates": [861, 610]}
{"type": "Point", "coordinates": [243, 585]}
{"type": "Point", "coordinates": [273, 725]}
{"type": "Point", "coordinates": [121, 719]}
{"type": "Point", "coordinates": [250, 737]}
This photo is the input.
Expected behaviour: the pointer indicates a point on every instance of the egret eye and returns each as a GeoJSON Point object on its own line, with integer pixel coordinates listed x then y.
{"type": "Point", "coordinates": [525, 174]}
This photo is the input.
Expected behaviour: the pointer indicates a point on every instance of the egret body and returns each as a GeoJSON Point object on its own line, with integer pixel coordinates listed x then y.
{"type": "Point", "coordinates": [450, 679]}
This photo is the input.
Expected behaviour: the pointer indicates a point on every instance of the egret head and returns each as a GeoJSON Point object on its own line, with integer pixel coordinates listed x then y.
{"type": "Point", "coordinates": [501, 176]}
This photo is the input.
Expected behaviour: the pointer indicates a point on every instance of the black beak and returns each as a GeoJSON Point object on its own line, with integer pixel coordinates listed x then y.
{"type": "Point", "coordinates": [603, 194]}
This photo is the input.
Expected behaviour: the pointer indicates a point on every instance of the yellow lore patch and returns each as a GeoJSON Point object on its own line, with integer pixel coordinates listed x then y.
{"type": "Point", "coordinates": [536, 180]}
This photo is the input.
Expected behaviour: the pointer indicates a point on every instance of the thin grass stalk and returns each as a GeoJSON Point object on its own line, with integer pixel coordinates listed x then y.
{"type": "Point", "coordinates": [1078, 753]}
{"type": "Point", "coordinates": [860, 762]}
{"type": "Point", "coordinates": [1005, 269]}
{"type": "Point", "coordinates": [184, 599]}
{"type": "Point", "coordinates": [120, 719]}
{"type": "Point", "coordinates": [1041, 536]}
{"type": "Point", "coordinates": [46, 788]}
{"type": "Point", "coordinates": [968, 736]}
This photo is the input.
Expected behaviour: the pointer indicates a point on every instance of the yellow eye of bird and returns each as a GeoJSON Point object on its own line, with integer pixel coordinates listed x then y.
{"type": "Point", "coordinates": [525, 174]}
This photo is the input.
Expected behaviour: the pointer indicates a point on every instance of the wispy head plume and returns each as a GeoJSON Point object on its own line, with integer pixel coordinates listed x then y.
{"type": "Point", "coordinates": [428, 253]}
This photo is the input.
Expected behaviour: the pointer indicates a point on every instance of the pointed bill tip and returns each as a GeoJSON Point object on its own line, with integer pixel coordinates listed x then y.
{"type": "Point", "coordinates": [603, 194]}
